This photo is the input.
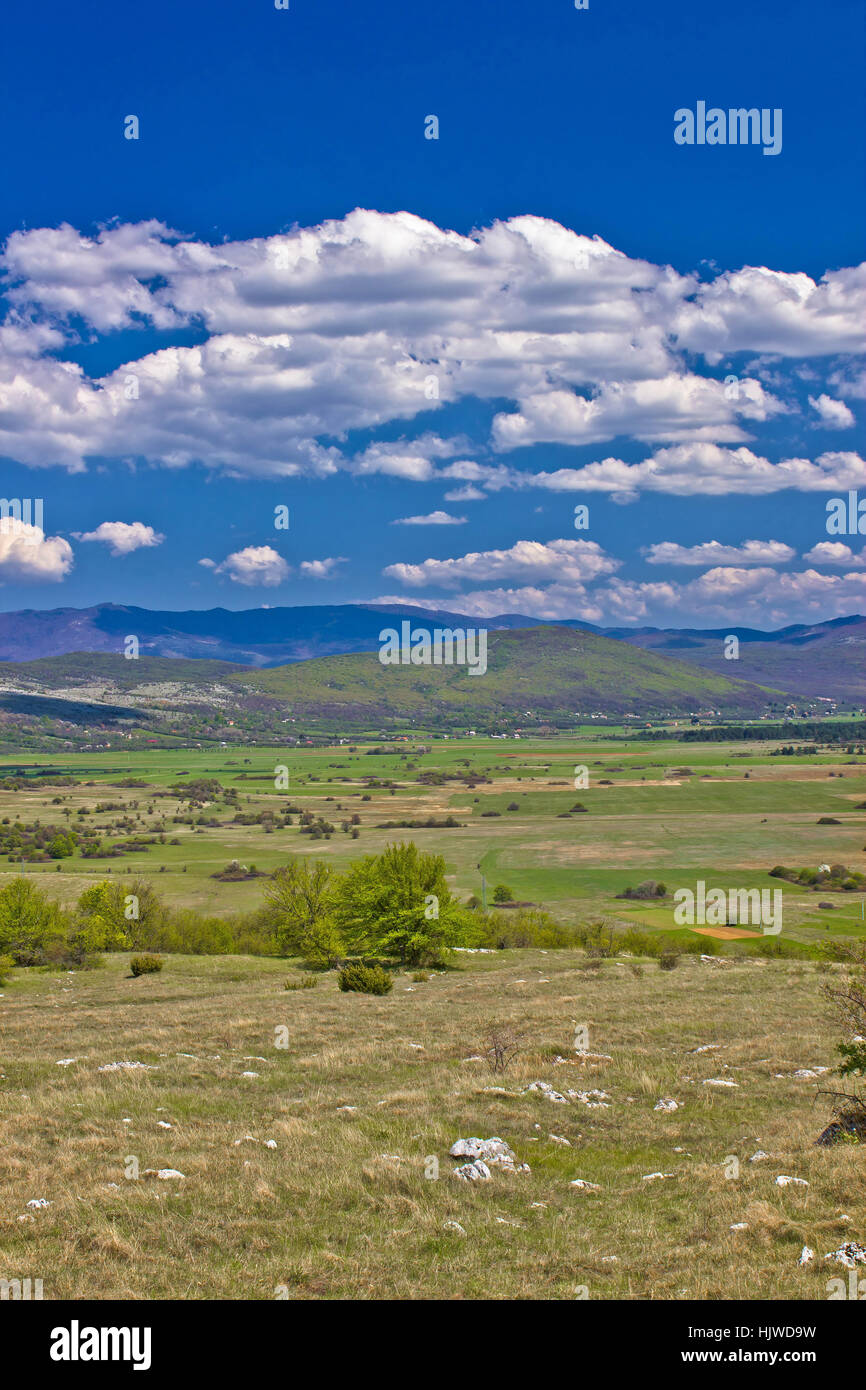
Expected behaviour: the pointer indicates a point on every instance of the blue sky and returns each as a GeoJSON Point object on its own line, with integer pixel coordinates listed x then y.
{"type": "Point", "coordinates": [282, 350]}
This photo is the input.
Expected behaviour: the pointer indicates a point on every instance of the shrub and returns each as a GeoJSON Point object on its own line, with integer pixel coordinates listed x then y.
{"type": "Point", "coordinates": [364, 979]}
{"type": "Point", "coordinates": [502, 894]}
{"type": "Point", "coordinates": [525, 927]}
{"type": "Point", "coordinates": [849, 1003]}
{"type": "Point", "coordinates": [306, 982]}
{"type": "Point", "coordinates": [6, 964]}
{"type": "Point", "coordinates": [600, 941]}
{"type": "Point", "coordinates": [648, 889]}
{"type": "Point", "coordinates": [502, 1043]}
{"type": "Point", "coordinates": [145, 965]}
{"type": "Point", "coordinates": [635, 942]}
{"type": "Point", "coordinates": [669, 960]}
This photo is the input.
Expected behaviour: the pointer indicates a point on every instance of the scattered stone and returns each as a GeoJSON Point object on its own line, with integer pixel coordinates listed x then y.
{"type": "Point", "coordinates": [651, 1177]}
{"type": "Point", "coordinates": [581, 1056]}
{"type": "Point", "coordinates": [546, 1090]}
{"type": "Point", "coordinates": [163, 1124]}
{"type": "Point", "coordinates": [668, 1106]}
{"type": "Point", "coordinates": [350, 1108]}
{"type": "Point", "coordinates": [252, 1074]}
{"type": "Point", "coordinates": [559, 1139]}
{"type": "Point", "coordinates": [849, 1254]}
{"type": "Point", "coordinates": [67, 1061]}
{"type": "Point", "coordinates": [127, 1066]}
{"type": "Point", "coordinates": [169, 1173]}
{"type": "Point", "coordinates": [806, 1255]}
{"type": "Point", "coordinates": [707, 1047]}
{"type": "Point", "coordinates": [756, 1157]}
{"type": "Point", "coordinates": [594, 1100]}
{"type": "Point", "coordinates": [454, 1226]}
{"type": "Point", "coordinates": [739, 1226]}
{"type": "Point", "coordinates": [784, 1181]}
{"type": "Point", "coordinates": [38, 1203]}
{"type": "Point", "coordinates": [270, 1143]}
{"type": "Point", "coordinates": [473, 1172]}
{"type": "Point", "coordinates": [720, 1081]}
{"type": "Point", "coordinates": [493, 1152]}
{"type": "Point", "coordinates": [583, 1186]}
{"type": "Point", "coordinates": [476, 1057]}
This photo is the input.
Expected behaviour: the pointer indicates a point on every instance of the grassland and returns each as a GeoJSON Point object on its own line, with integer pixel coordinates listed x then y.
{"type": "Point", "coordinates": [726, 813]}
{"type": "Point", "coordinates": [367, 1092]}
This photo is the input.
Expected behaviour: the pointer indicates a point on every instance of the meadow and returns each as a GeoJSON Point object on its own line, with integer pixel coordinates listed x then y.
{"type": "Point", "coordinates": [312, 1127]}
{"type": "Point", "coordinates": [726, 813]}
{"type": "Point", "coordinates": [320, 1169]}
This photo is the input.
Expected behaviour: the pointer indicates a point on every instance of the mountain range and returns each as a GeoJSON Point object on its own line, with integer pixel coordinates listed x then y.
{"type": "Point", "coordinates": [820, 661]}
{"type": "Point", "coordinates": [549, 675]}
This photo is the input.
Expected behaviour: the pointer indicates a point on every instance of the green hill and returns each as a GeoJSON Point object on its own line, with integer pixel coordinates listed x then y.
{"type": "Point", "coordinates": [533, 675]}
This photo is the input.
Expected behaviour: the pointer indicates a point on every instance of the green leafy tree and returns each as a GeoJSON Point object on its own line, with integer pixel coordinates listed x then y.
{"type": "Point", "coordinates": [300, 903]}
{"type": "Point", "coordinates": [31, 927]}
{"type": "Point", "coordinates": [398, 903]}
{"type": "Point", "coordinates": [122, 915]}
{"type": "Point", "coordinates": [61, 847]}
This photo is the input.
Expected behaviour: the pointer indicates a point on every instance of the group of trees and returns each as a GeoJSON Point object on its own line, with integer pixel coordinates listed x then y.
{"type": "Point", "coordinates": [395, 904]}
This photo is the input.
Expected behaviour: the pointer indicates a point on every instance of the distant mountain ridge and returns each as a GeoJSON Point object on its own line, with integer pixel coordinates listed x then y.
{"type": "Point", "coordinates": [531, 677]}
{"type": "Point", "coordinates": [823, 660]}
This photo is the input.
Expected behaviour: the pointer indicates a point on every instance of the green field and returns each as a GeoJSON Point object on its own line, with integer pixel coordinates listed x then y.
{"type": "Point", "coordinates": [724, 813]}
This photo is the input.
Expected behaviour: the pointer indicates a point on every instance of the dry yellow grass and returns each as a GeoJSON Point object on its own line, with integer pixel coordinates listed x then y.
{"type": "Point", "coordinates": [341, 1207]}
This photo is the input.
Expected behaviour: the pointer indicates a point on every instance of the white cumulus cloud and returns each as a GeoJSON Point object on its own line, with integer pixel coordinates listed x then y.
{"type": "Point", "coordinates": [27, 555]}
{"type": "Point", "coordinates": [122, 537]}
{"type": "Point", "coordinates": [437, 518]}
{"type": "Point", "coordinates": [714, 553]}
{"type": "Point", "coordinates": [253, 566]}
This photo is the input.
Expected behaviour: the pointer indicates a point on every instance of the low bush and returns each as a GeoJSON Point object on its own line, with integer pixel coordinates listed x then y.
{"type": "Point", "coordinates": [145, 965]}
{"type": "Point", "coordinates": [364, 979]}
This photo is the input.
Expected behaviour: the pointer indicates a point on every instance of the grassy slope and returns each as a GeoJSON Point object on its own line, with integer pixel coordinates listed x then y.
{"type": "Point", "coordinates": [341, 1207]}
{"type": "Point", "coordinates": [540, 669]}
{"type": "Point", "coordinates": [117, 673]}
